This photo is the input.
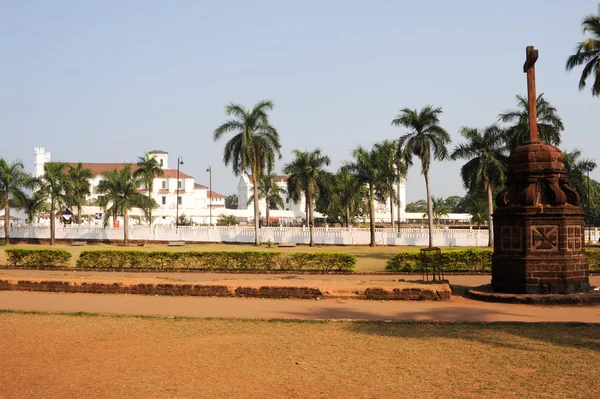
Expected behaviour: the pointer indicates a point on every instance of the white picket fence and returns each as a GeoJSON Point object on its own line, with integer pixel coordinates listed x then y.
{"type": "Point", "coordinates": [237, 234]}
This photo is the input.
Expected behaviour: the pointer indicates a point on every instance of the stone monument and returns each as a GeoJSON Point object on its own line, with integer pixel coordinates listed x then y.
{"type": "Point", "coordinates": [538, 222]}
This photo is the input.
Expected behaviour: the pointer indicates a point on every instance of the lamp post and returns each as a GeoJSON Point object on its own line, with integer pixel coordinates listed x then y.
{"type": "Point", "coordinates": [179, 162]}
{"type": "Point", "coordinates": [209, 170]}
{"type": "Point", "coordinates": [589, 208]}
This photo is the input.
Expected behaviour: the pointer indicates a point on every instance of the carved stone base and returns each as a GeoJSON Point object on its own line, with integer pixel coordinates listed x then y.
{"type": "Point", "coordinates": [539, 250]}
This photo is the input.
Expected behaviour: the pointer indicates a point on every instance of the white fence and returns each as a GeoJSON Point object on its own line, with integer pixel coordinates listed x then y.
{"type": "Point", "coordinates": [236, 234]}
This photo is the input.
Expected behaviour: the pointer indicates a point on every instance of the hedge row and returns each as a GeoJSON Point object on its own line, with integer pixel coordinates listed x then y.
{"type": "Point", "coordinates": [243, 260]}
{"type": "Point", "coordinates": [469, 260]}
{"type": "Point", "coordinates": [37, 257]}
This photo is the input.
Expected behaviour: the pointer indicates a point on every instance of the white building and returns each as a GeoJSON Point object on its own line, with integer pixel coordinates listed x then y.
{"type": "Point", "coordinates": [382, 210]}
{"type": "Point", "coordinates": [183, 196]}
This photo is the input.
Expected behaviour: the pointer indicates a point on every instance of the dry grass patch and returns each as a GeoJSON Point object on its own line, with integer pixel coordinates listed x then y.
{"type": "Point", "coordinates": [57, 356]}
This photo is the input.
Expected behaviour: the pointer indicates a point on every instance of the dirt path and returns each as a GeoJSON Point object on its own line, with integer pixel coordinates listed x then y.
{"type": "Point", "coordinates": [459, 309]}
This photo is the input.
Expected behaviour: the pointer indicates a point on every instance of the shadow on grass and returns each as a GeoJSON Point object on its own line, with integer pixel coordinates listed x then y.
{"type": "Point", "coordinates": [478, 327]}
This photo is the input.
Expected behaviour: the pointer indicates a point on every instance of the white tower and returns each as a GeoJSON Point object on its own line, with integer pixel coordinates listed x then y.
{"type": "Point", "coordinates": [162, 157]}
{"type": "Point", "coordinates": [40, 157]}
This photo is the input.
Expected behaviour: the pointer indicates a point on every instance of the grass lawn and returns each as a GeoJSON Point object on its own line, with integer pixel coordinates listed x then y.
{"type": "Point", "coordinates": [367, 259]}
{"type": "Point", "coordinates": [60, 356]}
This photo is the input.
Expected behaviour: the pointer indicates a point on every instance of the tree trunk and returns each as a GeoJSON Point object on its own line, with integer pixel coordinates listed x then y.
{"type": "Point", "coordinates": [150, 210]}
{"type": "Point", "coordinates": [78, 214]}
{"type": "Point", "coordinates": [256, 211]}
{"type": "Point", "coordinates": [392, 208]}
{"type": "Point", "coordinates": [347, 217]}
{"type": "Point", "coordinates": [125, 227]}
{"type": "Point", "coordinates": [372, 215]}
{"type": "Point", "coordinates": [267, 209]}
{"type": "Point", "coordinates": [52, 223]}
{"type": "Point", "coordinates": [311, 221]}
{"type": "Point", "coordinates": [306, 213]}
{"type": "Point", "coordinates": [490, 219]}
{"type": "Point", "coordinates": [429, 209]}
{"type": "Point", "coordinates": [7, 223]}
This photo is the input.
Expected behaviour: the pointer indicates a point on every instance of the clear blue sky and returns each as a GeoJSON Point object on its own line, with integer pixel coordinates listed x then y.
{"type": "Point", "coordinates": [106, 81]}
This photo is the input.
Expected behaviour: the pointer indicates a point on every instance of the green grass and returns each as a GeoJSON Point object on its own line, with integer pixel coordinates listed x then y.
{"type": "Point", "coordinates": [368, 259]}
{"type": "Point", "coordinates": [56, 356]}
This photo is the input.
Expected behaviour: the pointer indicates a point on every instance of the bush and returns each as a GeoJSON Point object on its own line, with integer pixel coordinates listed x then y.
{"type": "Point", "coordinates": [242, 260]}
{"type": "Point", "coordinates": [37, 257]}
{"type": "Point", "coordinates": [594, 258]}
{"type": "Point", "coordinates": [469, 260]}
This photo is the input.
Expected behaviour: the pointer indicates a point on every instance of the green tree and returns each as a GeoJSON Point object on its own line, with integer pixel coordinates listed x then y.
{"type": "Point", "coordinates": [477, 208]}
{"type": "Point", "coordinates": [13, 182]}
{"type": "Point", "coordinates": [578, 170]}
{"type": "Point", "coordinates": [366, 168]}
{"type": "Point", "coordinates": [455, 202]}
{"type": "Point", "coordinates": [148, 169]}
{"type": "Point", "coordinates": [307, 172]}
{"type": "Point", "coordinates": [120, 195]}
{"type": "Point", "coordinates": [486, 164]}
{"type": "Point", "coordinates": [517, 133]}
{"type": "Point", "coordinates": [78, 187]}
{"type": "Point", "coordinates": [231, 201]}
{"type": "Point", "coordinates": [345, 201]}
{"type": "Point", "coordinates": [588, 52]}
{"type": "Point", "coordinates": [271, 192]}
{"type": "Point", "coordinates": [426, 140]}
{"type": "Point", "coordinates": [33, 205]}
{"type": "Point", "coordinates": [419, 206]}
{"type": "Point", "coordinates": [53, 186]}
{"type": "Point", "coordinates": [440, 208]}
{"type": "Point", "coordinates": [253, 148]}
{"type": "Point", "coordinates": [391, 171]}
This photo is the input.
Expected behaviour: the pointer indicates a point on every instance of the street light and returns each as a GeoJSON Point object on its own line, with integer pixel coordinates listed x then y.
{"type": "Point", "coordinates": [209, 170]}
{"type": "Point", "coordinates": [179, 162]}
{"type": "Point", "coordinates": [589, 208]}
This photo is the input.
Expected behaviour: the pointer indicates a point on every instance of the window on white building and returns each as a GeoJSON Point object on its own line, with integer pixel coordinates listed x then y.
{"type": "Point", "coordinates": [179, 200]}
{"type": "Point", "coordinates": [179, 184]}
{"type": "Point", "coordinates": [164, 200]}
{"type": "Point", "coordinates": [161, 162]}
{"type": "Point", "coordinates": [287, 200]}
{"type": "Point", "coordinates": [164, 184]}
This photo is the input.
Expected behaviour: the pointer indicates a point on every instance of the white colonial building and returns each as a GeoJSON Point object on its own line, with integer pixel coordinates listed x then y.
{"type": "Point", "coordinates": [174, 192]}
{"type": "Point", "coordinates": [297, 210]}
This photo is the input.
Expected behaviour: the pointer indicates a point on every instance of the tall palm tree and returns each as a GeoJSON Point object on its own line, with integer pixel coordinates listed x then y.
{"type": "Point", "coordinates": [53, 187]}
{"type": "Point", "coordinates": [549, 123]}
{"type": "Point", "coordinates": [307, 171]}
{"type": "Point", "coordinates": [486, 165]}
{"type": "Point", "coordinates": [148, 169]}
{"type": "Point", "coordinates": [33, 205]}
{"type": "Point", "coordinates": [426, 140]}
{"type": "Point", "coordinates": [392, 170]}
{"type": "Point", "coordinates": [350, 192]}
{"type": "Point", "coordinates": [588, 53]}
{"type": "Point", "coordinates": [577, 168]}
{"type": "Point", "coordinates": [120, 189]}
{"type": "Point", "coordinates": [366, 167]}
{"type": "Point", "coordinates": [78, 186]}
{"type": "Point", "coordinates": [13, 182]}
{"type": "Point", "coordinates": [271, 192]}
{"type": "Point", "coordinates": [253, 148]}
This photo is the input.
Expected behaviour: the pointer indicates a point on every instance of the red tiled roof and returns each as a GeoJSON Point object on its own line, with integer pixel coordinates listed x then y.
{"type": "Point", "coordinates": [197, 185]}
{"type": "Point", "coordinates": [214, 194]}
{"type": "Point", "coordinates": [100, 168]}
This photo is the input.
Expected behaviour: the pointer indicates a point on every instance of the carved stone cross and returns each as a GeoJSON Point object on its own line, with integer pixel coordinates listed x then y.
{"type": "Point", "coordinates": [529, 68]}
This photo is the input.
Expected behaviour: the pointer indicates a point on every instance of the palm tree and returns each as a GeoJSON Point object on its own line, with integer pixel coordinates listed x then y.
{"type": "Point", "coordinates": [549, 123]}
{"type": "Point", "coordinates": [588, 53]}
{"type": "Point", "coordinates": [253, 148]}
{"type": "Point", "coordinates": [120, 189]}
{"type": "Point", "coordinates": [486, 164]}
{"type": "Point", "coordinates": [426, 139]}
{"type": "Point", "coordinates": [13, 181]}
{"type": "Point", "coordinates": [53, 187]}
{"type": "Point", "coordinates": [440, 208]}
{"type": "Point", "coordinates": [306, 172]}
{"type": "Point", "coordinates": [148, 169]}
{"type": "Point", "coordinates": [392, 170]}
{"type": "Point", "coordinates": [577, 168]}
{"type": "Point", "coordinates": [366, 168]}
{"type": "Point", "coordinates": [33, 205]}
{"type": "Point", "coordinates": [350, 192]}
{"type": "Point", "coordinates": [271, 192]}
{"type": "Point", "coordinates": [78, 186]}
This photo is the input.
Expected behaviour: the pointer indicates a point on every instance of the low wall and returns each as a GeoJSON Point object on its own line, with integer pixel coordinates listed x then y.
{"type": "Point", "coordinates": [277, 235]}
